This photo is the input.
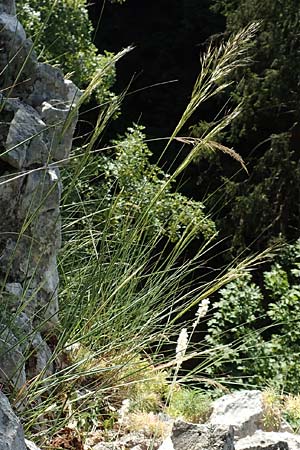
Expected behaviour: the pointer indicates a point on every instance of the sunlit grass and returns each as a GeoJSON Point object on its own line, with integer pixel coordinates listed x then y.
{"type": "Point", "coordinates": [124, 295]}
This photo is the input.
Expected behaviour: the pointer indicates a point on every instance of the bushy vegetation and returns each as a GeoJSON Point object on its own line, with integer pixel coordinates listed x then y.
{"type": "Point", "coordinates": [126, 178]}
{"type": "Point", "coordinates": [126, 172]}
{"type": "Point", "coordinates": [62, 34]}
{"type": "Point", "coordinates": [258, 326]}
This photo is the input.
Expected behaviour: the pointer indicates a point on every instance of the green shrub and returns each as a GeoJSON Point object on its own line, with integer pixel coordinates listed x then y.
{"type": "Point", "coordinates": [137, 182]}
{"type": "Point", "coordinates": [62, 33]}
{"type": "Point", "coordinates": [256, 354]}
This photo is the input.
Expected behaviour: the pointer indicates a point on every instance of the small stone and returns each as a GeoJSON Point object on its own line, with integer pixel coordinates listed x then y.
{"type": "Point", "coordinates": [14, 289]}
{"type": "Point", "coordinates": [167, 444]}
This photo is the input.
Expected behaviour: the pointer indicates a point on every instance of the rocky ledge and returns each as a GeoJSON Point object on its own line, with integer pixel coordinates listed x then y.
{"type": "Point", "coordinates": [35, 139]}
{"type": "Point", "coordinates": [236, 423]}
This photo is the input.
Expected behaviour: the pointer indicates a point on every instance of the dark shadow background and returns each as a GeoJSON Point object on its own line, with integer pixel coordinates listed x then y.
{"type": "Point", "coordinates": [168, 37]}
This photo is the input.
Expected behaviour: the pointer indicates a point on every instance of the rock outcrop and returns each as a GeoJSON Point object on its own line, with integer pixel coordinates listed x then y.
{"type": "Point", "coordinates": [36, 128]}
{"type": "Point", "coordinates": [236, 423]}
{"type": "Point", "coordinates": [11, 431]}
{"type": "Point", "coordinates": [264, 440]}
{"type": "Point", "coordinates": [189, 436]}
{"type": "Point", "coordinates": [37, 122]}
{"type": "Point", "coordinates": [243, 410]}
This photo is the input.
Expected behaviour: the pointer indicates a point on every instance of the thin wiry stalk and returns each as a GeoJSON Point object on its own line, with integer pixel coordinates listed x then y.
{"type": "Point", "coordinates": [217, 65]}
{"type": "Point", "coordinates": [119, 294]}
{"type": "Point", "coordinates": [94, 83]}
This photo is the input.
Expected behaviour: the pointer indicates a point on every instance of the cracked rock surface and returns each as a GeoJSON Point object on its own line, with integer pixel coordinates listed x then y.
{"type": "Point", "coordinates": [34, 105]}
{"type": "Point", "coordinates": [236, 423]}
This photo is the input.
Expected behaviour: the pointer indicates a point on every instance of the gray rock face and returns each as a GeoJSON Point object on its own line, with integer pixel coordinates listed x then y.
{"type": "Point", "coordinates": [12, 366]}
{"type": "Point", "coordinates": [190, 436]}
{"type": "Point", "coordinates": [24, 144]}
{"type": "Point", "coordinates": [11, 431]}
{"type": "Point", "coordinates": [8, 6]}
{"type": "Point", "coordinates": [34, 105]}
{"type": "Point", "coordinates": [187, 436]}
{"type": "Point", "coordinates": [263, 440]}
{"type": "Point", "coordinates": [34, 138]}
{"type": "Point", "coordinates": [243, 410]}
{"type": "Point", "coordinates": [17, 59]}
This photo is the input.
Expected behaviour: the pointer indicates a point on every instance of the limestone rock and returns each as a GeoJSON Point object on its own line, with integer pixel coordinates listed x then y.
{"type": "Point", "coordinates": [11, 432]}
{"type": "Point", "coordinates": [135, 440]}
{"type": "Point", "coordinates": [8, 6]}
{"type": "Point", "coordinates": [25, 145]}
{"type": "Point", "coordinates": [40, 360]}
{"type": "Point", "coordinates": [12, 367]}
{"type": "Point", "coordinates": [37, 122]}
{"type": "Point", "coordinates": [263, 440]}
{"type": "Point", "coordinates": [14, 289]}
{"type": "Point", "coordinates": [48, 85]}
{"type": "Point", "coordinates": [106, 446]}
{"type": "Point", "coordinates": [285, 427]}
{"type": "Point", "coordinates": [10, 190]}
{"type": "Point", "coordinates": [167, 444]}
{"type": "Point", "coordinates": [189, 436]}
{"type": "Point", "coordinates": [17, 59]}
{"type": "Point", "coordinates": [73, 92]}
{"type": "Point", "coordinates": [243, 410]}
{"type": "Point", "coordinates": [55, 114]}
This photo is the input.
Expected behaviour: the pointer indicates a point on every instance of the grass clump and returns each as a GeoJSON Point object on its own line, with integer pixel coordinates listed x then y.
{"type": "Point", "coordinates": [124, 288]}
{"type": "Point", "coordinates": [149, 393]}
{"type": "Point", "coordinates": [149, 424]}
{"type": "Point", "coordinates": [272, 415]}
{"type": "Point", "coordinates": [280, 408]}
{"type": "Point", "coordinates": [291, 411]}
{"type": "Point", "coordinates": [192, 405]}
